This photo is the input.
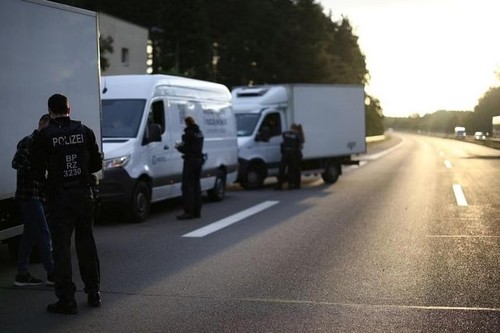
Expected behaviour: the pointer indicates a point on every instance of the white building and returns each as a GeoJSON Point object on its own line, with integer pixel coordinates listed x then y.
{"type": "Point", "coordinates": [130, 43]}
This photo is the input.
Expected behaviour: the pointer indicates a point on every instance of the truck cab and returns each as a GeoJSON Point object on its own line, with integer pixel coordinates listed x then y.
{"type": "Point", "coordinates": [260, 121]}
{"type": "Point", "coordinates": [259, 139]}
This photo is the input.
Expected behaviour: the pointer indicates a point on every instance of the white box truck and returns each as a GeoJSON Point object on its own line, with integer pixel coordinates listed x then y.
{"type": "Point", "coordinates": [142, 119]}
{"type": "Point", "coordinates": [46, 48]}
{"type": "Point", "coordinates": [332, 117]}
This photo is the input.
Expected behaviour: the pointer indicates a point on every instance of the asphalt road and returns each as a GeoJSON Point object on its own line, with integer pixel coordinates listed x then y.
{"type": "Point", "coordinates": [407, 242]}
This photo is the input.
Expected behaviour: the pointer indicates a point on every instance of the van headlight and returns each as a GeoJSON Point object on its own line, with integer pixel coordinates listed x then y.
{"type": "Point", "coordinates": [117, 162]}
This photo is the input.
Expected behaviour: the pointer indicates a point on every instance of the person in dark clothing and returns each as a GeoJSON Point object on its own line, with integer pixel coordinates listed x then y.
{"type": "Point", "coordinates": [298, 171]}
{"type": "Point", "coordinates": [290, 158]}
{"type": "Point", "coordinates": [192, 149]}
{"type": "Point", "coordinates": [67, 150]}
{"type": "Point", "coordinates": [30, 196]}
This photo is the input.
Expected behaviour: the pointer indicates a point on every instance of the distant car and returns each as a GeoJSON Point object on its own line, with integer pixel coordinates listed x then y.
{"type": "Point", "coordinates": [479, 136]}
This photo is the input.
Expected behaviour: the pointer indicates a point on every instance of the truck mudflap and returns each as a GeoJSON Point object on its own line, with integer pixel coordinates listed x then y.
{"type": "Point", "coordinates": [330, 168]}
{"type": "Point", "coordinates": [350, 162]}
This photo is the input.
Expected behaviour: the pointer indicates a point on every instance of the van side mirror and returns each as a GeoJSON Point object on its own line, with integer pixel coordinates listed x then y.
{"type": "Point", "coordinates": [153, 134]}
{"type": "Point", "coordinates": [264, 135]}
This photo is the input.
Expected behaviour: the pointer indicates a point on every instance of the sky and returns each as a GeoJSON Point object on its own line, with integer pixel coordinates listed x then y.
{"type": "Point", "coordinates": [425, 55]}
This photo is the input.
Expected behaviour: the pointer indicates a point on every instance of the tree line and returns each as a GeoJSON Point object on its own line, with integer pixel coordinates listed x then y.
{"type": "Point", "coordinates": [480, 119]}
{"type": "Point", "coordinates": [242, 42]}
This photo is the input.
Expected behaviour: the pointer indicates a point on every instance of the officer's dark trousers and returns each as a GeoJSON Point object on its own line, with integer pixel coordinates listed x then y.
{"type": "Point", "coordinates": [191, 188]}
{"type": "Point", "coordinates": [289, 168]}
{"type": "Point", "coordinates": [70, 210]}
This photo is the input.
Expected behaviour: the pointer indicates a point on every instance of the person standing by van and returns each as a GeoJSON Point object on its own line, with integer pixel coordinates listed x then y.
{"type": "Point", "coordinates": [192, 149]}
{"type": "Point", "coordinates": [67, 150]}
{"type": "Point", "coordinates": [298, 171]}
{"type": "Point", "coordinates": [290, 158]}
{"type": "Point", "coordinates": [29, 194]}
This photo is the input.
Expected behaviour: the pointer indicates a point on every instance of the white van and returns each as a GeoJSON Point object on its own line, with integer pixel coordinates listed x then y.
{"type": "Point", "coordinates": [142, 119]}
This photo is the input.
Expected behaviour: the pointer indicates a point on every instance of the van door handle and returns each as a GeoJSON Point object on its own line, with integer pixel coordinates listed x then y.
{"type": "Point", "coordinates": [166, 147]}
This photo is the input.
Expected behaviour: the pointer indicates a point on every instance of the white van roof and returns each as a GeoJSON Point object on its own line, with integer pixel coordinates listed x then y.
{"type": "Point", "coordinates": [147, 86]}
{"type": "Point", "coordinates": [260, 94]}
{"type": "Point", "coordinates": [252, 99]}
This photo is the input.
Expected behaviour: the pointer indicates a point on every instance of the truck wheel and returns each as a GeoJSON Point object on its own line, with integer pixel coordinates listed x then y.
{"type": "Point", "coordinates": [331, 173]}
{"type": "Point", "coordinates": [141, 202]}
{"type": "Point", "coordinates": [254, 177]}
{"type": "Point", "coordinates": [218, 192]}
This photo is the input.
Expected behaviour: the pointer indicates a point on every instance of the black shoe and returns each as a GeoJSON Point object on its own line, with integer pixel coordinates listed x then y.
{"type": "Point", "coordinates": [63, 306]}
{"type": "Point", "coordinates": [197, 215]}
{"type": "Point", "coordinates": [25, 279]}
{"type": "Point", "coordinates": [94, 299]}
{"type": "Point", "coordinates": [185, 216]}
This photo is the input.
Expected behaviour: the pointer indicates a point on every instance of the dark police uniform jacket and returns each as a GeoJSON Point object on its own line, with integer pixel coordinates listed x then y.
{"type": "Point", "coordinates": [291, 143]}
{"type": "Point", "coordinates": [68, 150]}
{"type": "Point", "coordinates": [192, 142]}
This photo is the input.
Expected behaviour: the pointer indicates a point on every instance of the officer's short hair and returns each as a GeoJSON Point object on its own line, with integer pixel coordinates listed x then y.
{"type": "Point", "coordinates": [58, 104]}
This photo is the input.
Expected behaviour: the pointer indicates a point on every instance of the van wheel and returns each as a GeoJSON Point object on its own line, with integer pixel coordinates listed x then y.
{"type": "Point", "coordinates": [255, 177]}
{"type": "Point", "coordinates": [141, 202]}
{"type": "Point", "coordinates": [218, 192]}
{"type": "Point", "coordinates": [331, 173]}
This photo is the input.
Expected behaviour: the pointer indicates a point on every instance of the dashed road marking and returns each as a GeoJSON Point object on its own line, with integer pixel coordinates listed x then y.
{"type": "Point", "coordinates": [216, 226]}
{"type": "Point", "coordinates": [459, 195]}
{"type": "Point", "coordinates": [447, 164]}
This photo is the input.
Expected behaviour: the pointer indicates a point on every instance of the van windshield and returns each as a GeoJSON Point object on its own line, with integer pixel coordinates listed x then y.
{"type": "Point", "coordinates": [121, 117]}
{"type": "Point", "coordinates": [246, 122]}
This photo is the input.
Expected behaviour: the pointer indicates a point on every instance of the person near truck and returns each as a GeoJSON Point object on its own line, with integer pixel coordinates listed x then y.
{"type": "Point", "coordinates": [68, 152]}
{"type": "Point", "coordinates": [192, 149]}
{"type": "Point", "coordinates": [298, 128]}
{"type": "Point", "coordinates": [29, 194]}
{"type": "Point", "coordinates": [291, 155]}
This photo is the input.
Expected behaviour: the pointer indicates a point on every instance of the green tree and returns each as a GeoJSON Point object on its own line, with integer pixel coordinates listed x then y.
{"type": "Point", "coordinates": [488, 106]}
{"type": "Point", "coordinates": [240, 42]}
{"type": "Point", "coordinates": [105, 47]}
{"type": "Point", "coordinates": [374, 116]}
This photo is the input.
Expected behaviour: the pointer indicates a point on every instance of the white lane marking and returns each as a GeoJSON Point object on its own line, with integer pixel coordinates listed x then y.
{"type": "Point", "coordinates": [361, 305]}
{"type": "Point", "coordinates": [213, 227]}
{"type": "Point", "coordinates": [461, 236]}
{"type": "Point", "coordinates": [459, 195]}
{"type": "Point", "coordinates": [447, 164]}
{"type": "Point", "coordinates": [376, 156]}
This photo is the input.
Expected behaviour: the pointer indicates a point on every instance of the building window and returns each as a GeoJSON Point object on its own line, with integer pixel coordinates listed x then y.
{"type": "Point", "coordinates": [125, 56]}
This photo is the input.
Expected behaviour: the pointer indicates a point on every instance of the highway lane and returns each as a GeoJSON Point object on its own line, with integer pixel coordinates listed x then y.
{"type": "Point", "coordinates": [387, 248]}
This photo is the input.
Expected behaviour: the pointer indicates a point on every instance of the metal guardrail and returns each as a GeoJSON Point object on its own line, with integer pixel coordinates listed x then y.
{"type": "Point", "coordinates": [488, 142]}
{"type": "Point", "coordinates": [492, 143]}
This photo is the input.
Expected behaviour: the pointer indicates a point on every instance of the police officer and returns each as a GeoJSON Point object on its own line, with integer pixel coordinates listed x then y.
{"type": "Point", "coordinates": [290, 157]}
{"type": "Point", "coordinates": [192, 149]}
{"type": "Point", "coordinates": [68, 152]}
